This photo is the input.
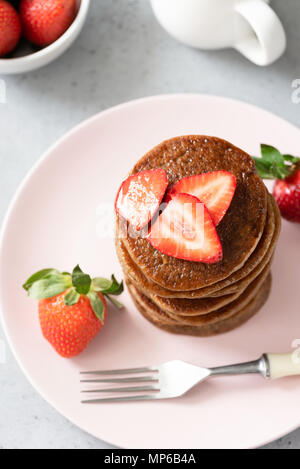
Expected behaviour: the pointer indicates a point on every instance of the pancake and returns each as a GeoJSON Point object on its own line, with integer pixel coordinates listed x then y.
{"type": "Point", "coordinates": [189, 314]}
{"type": "Point", "coordinates": [191, 307]}
{"type": "Point", "coordinates": [189, 310]}
{"type": "Point", "coordinates": [239, 231]}
{"type": "Point", "coordinates": [219, 314]}
{"type": "Point", "coordinates": [237, 282]}
{"type": "Point", "coordinates": [160, 319]}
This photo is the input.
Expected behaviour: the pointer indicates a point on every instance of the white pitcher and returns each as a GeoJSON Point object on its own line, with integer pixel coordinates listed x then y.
{"type": "Point", "coordinates": [250, 26]}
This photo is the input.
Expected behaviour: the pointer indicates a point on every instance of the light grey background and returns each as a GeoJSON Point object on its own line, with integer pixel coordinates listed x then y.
{"type": "Point", "coordinates": [121, 54]}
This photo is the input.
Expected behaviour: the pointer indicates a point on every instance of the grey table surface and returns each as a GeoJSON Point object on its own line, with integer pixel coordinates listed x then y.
{"type": "Point", "coordinates": [121, 54]}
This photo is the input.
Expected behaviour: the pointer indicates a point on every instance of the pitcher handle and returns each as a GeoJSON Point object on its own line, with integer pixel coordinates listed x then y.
{"type": "Point", "coordinates": [269, 41]}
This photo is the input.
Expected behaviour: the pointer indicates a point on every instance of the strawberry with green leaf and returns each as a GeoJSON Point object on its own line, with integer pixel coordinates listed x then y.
{"type": "Point", "coordinates": [285, 169]}
{"type": "Point", "coordinates": [72, 307]}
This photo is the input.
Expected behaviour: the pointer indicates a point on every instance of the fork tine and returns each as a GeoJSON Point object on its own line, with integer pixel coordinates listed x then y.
{"type": "Point", "coordinates": [141, 379]}
{"type": "Point", "coordinates": [149, 397]}
{"type": "Point", "coordinates": [120, 390]}
{"type": "Point", "coordinates": [120, 372]}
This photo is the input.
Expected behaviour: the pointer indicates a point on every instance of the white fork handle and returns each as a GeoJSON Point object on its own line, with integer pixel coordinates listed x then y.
{"type": "Point", "coordinates": [282, 365]}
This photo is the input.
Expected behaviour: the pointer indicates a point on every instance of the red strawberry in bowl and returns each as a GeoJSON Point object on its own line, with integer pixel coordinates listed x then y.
{"type": "Point", "coordinates": [10, 28]}
{"type": "Point", "coordinates": [140, 196]}
{"type": "Point", "coordinates": [72, 308]}
{"type": "Point", "coordinates": [44, 21]}
{"type": "Point", "coordinates": [185, 230]}
{"type": "Point", "coordinates": [215, 189]}
{"type": "Point", "coordinates": [285, 169]}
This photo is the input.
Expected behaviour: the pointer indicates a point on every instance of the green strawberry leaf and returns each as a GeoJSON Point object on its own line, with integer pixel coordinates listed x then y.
{"type": "Point", "coordinates": [97, 305]}
{"type": "Point", "coordinates": [118, 290]}
{"type": "Point", "coordinates": [274, 165]}
{"type": "Point", "coordinates": [263, 169]}
{"type": "Point", "coordinates": [81, 282]}
{"type": "Point", "coordinates": [291, 158]}
{"type": "Point", "coordinates": [72, 297]}
{"type": "Point", "coordinates": [38, 276]}
{"type": "Point", "coordinates": [52, 285]}
{"type": "Point", "coordinates": [115, 302]}
{"type": "Point", "coordinates": [271, 155]}
{"type": "Point", "coordinates": [279, 172]}
{"type": "Point", "coordinates": [108, 287]}
{"type": "Point", "coordinates": [101, 284]}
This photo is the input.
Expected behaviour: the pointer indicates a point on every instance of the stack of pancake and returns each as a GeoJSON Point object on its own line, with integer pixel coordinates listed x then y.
{"type": "Point", "coordinates": [195, 298]}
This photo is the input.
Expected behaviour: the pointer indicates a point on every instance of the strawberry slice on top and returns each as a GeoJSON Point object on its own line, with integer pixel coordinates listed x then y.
{"type": "Point", "coordinates": [215, 189]}
{"type": "Point", "coordinates": [185, 230]}
{"type": "Point", "coordinates": [140, 196]}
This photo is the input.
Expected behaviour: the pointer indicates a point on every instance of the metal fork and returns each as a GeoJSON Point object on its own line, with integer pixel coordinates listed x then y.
{"type": "Point", "coordinates": [175, 378]}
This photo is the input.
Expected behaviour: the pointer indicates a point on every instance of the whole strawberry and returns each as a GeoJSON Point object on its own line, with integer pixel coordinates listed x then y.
{"type": "Point", "coordinates": [10, 28]}
{"type": "Point", "coordinates": [287, 194]}
{"type": "Point", "coordinates": [72, 308]}
{"type": "Point", "coordinates": [44, 21]}
{"type": "Point", "coordinates": [286, 170]}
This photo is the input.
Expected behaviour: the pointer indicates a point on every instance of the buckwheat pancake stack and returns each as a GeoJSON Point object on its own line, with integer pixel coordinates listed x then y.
{"type": "Point", "coordinates": [196, 298]}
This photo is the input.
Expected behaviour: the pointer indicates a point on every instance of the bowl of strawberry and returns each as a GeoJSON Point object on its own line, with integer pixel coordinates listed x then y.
{"type": "Point", "coordinates": [33, 33]}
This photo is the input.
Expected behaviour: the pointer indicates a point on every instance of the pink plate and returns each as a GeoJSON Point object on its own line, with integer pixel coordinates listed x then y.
{"type": "Point", "coordinates": [57, 219]}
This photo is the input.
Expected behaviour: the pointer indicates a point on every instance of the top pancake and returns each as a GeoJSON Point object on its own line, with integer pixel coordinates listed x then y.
{"type": "Point", "coordinates": [239, 231]}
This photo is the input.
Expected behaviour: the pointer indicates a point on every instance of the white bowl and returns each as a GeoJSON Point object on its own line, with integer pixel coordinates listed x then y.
{"type": "Point", "coordinates": [49, 53]}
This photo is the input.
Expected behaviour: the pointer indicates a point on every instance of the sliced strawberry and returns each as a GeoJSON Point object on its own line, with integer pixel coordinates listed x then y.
{"type": "Point", "coordinates": [185, 230]}
{"type": "Point", "coordinates": [140, 196]}
{"type": "Point", "coordinates": [215, 190]}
